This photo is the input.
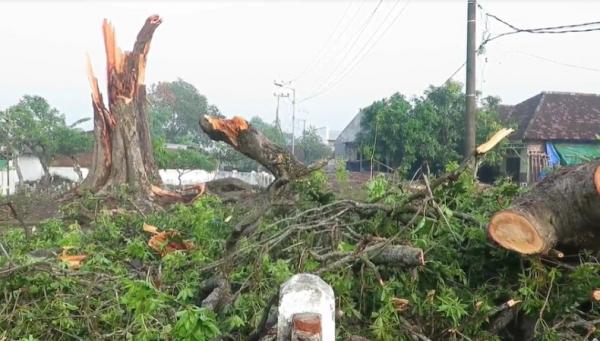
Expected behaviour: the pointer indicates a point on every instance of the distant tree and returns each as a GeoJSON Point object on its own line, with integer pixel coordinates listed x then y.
{"type": "Point", "coordinates": [270, 131]}
{"type": "Point", "coordinates": [427, 129]}
{"type": "Point", "coordinates": [182, 160]}
{"type": "Point", "coordinates": [313, 147]}
{"type": "Point", "coordinates": [34, 126]}
{"type": "Point", "coordinates": [73, 141]}
{"type": "Point", "coordinates": [175, 108]}
{"type": "Point", "coordinates": [383, 128]}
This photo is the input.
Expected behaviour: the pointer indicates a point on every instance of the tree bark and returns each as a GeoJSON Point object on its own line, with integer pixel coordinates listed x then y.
{"type": "Point", "coordinates": [398, 255]}
{"type": "Point", "coordinates": [77, 168]}
{"type": "Point", "coordinates": [18, 169]}
{"type": "Point", "coordinates": [46, 178]}
{"type": "Point", "coordinates": [122, 153]}
{"type": "Point", "coordinates": [563, 211]}
{"type": "Point", "coordinates": [244, 138]}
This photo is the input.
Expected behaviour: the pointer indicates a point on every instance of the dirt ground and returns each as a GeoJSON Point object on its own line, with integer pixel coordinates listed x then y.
{"type": "Point", "coordinates": [31, 208]}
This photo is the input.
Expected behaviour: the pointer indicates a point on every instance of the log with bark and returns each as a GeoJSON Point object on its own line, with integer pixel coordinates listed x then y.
{"type": "Point", "coordinates": [562, 211]}
{"type": "Point", "coordinates": [246, 139]}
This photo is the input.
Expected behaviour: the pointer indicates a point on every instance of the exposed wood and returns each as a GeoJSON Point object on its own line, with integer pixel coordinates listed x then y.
{"type": "Point", "coordinates": [563, 210]}
{"type": "Point", "coordinates": [494, 140]}
{"type": "Point", "coordinates": [306, 327]}
{"type": "Point", "coordinates": [122, 153]}
{"type": "Point", "coordinates": [596, 295]}
{"type": "Point", "coordinates": [244, 138]}
{"type": "Point", "coordinates": [188, 194]}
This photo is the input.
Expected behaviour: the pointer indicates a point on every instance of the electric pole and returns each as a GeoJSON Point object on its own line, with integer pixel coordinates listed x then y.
{"type": "Point", "coordinates": [293, 120]}
{"type": "Point", "coordinates": [277, 121]}
{"type": "Point", "coordinates": [470, 105]}
{"type": "Point", "coordinates": [286, 85]}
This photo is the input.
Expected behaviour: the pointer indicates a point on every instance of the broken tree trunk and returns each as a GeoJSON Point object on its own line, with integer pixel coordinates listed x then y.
{"type": "Point", "coordinates": [122, 153]}
{"type": "Point", "coordinates": [244, 138]}
{"type": "Point", "coordinates": [562, 210]}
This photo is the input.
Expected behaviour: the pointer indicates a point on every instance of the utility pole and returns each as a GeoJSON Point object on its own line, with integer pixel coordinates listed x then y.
{"type": "Point", "coordinates": [277, 121]}
{"type": "Point", "coordinates": [303, 127]}
{"type": "Point", "coordinates": [470, 105]}
{"type": "Point", "coordinates": [286, 85]}
{"type": "Point", "coordinates": [293, 120]}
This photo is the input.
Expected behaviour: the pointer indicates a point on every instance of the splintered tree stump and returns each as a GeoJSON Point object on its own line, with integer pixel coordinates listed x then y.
{"type": "Point", "coordinates": [244, 138]}
{"type": "Point", "coordinates": [562, 211]}
{"type": "Point", "coordinates": [122, 153]}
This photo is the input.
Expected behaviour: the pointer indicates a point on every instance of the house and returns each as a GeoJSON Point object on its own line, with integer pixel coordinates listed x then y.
{"type": "Point", "coordinates": [346, 148]}
{"type": "Point", "coordinates": [328, 136]}
{"type": "Point", "coordinates": [553, 128]}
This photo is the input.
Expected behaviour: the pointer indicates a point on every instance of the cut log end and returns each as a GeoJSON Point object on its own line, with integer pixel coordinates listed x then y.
{"type": "Point", "coordinates": [515, 232]}
{"type": "Point", "coordinates": [596, 295]}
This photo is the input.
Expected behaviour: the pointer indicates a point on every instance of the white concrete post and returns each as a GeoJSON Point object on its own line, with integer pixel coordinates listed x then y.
{"type": "Point", "coordinates": [306, 295]}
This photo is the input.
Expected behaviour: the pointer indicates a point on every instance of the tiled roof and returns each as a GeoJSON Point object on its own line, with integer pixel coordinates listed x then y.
{"type": "Point", "coordinates": [556, 116]}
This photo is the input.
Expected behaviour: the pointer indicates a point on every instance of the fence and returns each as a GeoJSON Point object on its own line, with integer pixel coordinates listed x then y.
{"type": "Point", "coordinates": [32, 172]}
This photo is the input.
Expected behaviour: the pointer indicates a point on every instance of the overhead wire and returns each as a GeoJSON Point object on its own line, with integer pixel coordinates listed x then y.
{"type": "Point", "coordinates": [350, 46]}
{"type": "Point", "coordinates": [324, 48]}
{"type": "Point", "coordinates": [364, 51]}
{"type": "Point", "coordinates": [561, 29]}
{"type": "Point", "coordinates": [575, 66]}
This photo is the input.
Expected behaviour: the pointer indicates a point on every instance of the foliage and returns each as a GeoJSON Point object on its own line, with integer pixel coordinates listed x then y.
{"type": "Point", "coordinates": [34, 126]}
{"type": "Point", "coordinates": [429, 128]}
{"type": "Point", "coordinates": [270, 131]}
{"type": "Point", "coordinates": [174, 110]}
{"type": "Point", "coordinates": [186, 159]}
{"type": "Point", "coordinates": [313, 147]}
{"type": "Point", "coordinates": [125, 290]}
{"type": "Point", "coordinates": [118, 292]}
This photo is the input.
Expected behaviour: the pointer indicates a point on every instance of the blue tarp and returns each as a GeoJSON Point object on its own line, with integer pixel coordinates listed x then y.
{"type": "Point", "coordinates": [553, 157]}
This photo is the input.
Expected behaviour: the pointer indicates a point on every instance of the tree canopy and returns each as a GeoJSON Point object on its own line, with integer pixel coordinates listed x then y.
{"type": "Point", "coordinates": [313, 147]}
{"type": "Point", "coordinates": [405, 133]}
{"type": "Point", "coordinates": [175, 108]}
{"type": "Point", "coordinates": [34, 126]}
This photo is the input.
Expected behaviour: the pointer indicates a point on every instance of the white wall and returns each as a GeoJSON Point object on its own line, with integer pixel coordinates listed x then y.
{"type": "Point", "coordinates": [32, 171]}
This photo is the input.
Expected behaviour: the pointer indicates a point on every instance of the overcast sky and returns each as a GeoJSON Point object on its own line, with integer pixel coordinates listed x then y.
{"type": "Point", "coordinates": [232, 51]}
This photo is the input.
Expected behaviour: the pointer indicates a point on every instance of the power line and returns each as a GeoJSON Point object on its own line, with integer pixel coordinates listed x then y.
{"type": "Point", "coordinates": [571, 28]}
{"type": "Point", "coordinates": [351, 47]}
{"type": "Point", "coordinates": [325, 45]}
{"type": "Point", "coordinates": [586, 68]}
{"type": "Point", "coordinates": [366, 48]}
{"type": "Point", "coordinates": [562, 29]}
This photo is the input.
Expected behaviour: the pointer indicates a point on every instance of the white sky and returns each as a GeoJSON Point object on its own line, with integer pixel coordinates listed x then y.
{"type": "Point", "coordinates": [232, 51]}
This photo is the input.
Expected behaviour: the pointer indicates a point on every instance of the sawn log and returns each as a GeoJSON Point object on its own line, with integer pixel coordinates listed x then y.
{"type": "Point", "coordinates": [562, 211]}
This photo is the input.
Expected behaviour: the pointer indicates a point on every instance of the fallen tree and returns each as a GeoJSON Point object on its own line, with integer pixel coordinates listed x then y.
{"type": "Point", "coordinates": [562, 211]}
{"type": "Point", "coordinates": [246, 139]}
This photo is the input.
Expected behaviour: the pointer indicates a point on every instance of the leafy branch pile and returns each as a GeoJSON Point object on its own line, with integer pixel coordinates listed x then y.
{"type": "Point", "coordinates": [225, 286]}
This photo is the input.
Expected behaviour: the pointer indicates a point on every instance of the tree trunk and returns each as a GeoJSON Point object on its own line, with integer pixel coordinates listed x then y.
{"type": "Point", "coordinates": [563, 211]}
{"type": "Point", "coordinates": [244, 138]}
{"type": "Point", "coordinates": [46, 178]}
{"type": "Point", "coordinates": [77, 169]}
{"type": "Point", "coordinates": [122, 153]}
{"type": "Point", "coordinates": [18, 169]}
